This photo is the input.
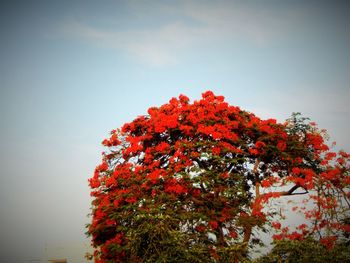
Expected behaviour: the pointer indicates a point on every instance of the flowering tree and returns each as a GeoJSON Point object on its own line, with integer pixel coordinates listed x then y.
{"type": "Point", "coordinates": [190, 182]}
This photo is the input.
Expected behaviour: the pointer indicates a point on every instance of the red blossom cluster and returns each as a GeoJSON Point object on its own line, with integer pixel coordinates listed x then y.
{"type": "Point", "coordinates": [203, 164]}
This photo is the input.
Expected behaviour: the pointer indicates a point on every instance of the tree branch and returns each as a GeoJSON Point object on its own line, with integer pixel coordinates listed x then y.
{"type": "Point", "coordinates": [257, 184]}
{"type": "Point", "coordinates": [248, 229]}
{"type": "Point", "coordinates": [290, 191]}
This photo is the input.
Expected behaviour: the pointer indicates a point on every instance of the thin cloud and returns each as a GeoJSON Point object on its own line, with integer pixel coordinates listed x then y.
{"type": "Point", "coordinates": [193, 24]}
{"type": "Point", "coordinates": [156, 47]}
{"type": "Point", "coordinates": [236, 21]}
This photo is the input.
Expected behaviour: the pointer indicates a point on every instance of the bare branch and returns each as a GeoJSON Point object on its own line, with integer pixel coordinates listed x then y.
{"type": "Point", "coordinates": [291, 191]}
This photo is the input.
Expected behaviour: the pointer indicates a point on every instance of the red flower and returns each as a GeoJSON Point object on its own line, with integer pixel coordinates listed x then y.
{"type": "Point", "coordinates": [201, 228]}
{"type": "Point", "coordinates": [225, 175]}
{"type": "Point", "coordinates": [208, 95]}
{"type": "Point", "coordinates": [278, 237]}
{"type": "Point", "coordinates": [276, 225]}
{"type": "Point", "coordinates": [175, 188]}
{"type": "Point", "coordinates": [281, 146]}
{"type": "Point", "coordinates": [94, 183]}
{"type": "Point", "coordinates": [253, 151]}
{"type": "Point", "coordinates": [213, 224]}
{"type": "Point", "coordinates": [103, 167]}
{"type": "Point", "coordinates": [196, 192]}
{"type": "Point", "coordinates": [184, 99]}
{"type": "Point", "coordinates": [329, 241]}
{"type": "Point", "coordinates": [302, 226]}
{"type": "Point", "coordinates": [233, 234]}
{"type": "Point", "coordinates": [186, 129]}
{"type": "Point", "coordinates": [296, 170]}
{"type": "Point", "coordinates": [259, 144]}
{"type": "Point", "coordinates": [266, 183]}
{"type": "Point", "coordinates": [216, 151]}
{"type": "Point", "coordinates": [163, 147]}
{"type": "Point", "coordinates": [106, 142]}
{"type": "Point", "coordinates": [131, 200]}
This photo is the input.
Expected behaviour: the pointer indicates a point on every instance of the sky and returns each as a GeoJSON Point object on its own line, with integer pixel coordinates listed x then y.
{"type": "Point", "coordinates": [71, 71]}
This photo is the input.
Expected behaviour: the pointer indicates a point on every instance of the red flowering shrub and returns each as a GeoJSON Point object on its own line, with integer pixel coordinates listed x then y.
{"type": "Point", "coordinates": [189, 182]}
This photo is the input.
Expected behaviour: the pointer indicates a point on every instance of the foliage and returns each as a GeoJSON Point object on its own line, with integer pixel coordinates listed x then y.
{"type": "Point", "coordinates": [306, 251]}
{"type": "Point", "coordinates": [189, 183]}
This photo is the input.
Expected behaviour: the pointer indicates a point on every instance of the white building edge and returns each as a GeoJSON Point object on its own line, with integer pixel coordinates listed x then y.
{"type": "Point", "coordinates": [67, 253]}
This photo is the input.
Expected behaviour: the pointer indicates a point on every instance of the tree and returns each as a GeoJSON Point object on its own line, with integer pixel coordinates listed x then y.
{"type": "Point", "coordinates": [190, 182]}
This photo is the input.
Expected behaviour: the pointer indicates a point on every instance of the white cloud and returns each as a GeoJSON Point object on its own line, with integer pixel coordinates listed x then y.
{"type": "Point", "coordinates": [232, 20]}
{"type": "Point", "coordinates": [156, 47]}
{"type": "Point", "coordinates": [214, 23]}
{"type": "Point", "coordinates": [161, 46]}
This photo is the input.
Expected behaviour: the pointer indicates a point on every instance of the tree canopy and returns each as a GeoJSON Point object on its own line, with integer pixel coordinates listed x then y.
{"type": "Point", "coordinates": [190, 182]}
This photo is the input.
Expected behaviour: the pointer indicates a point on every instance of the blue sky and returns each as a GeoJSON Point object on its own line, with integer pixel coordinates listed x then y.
{"type": "Point", "coordinates": [71, 71]}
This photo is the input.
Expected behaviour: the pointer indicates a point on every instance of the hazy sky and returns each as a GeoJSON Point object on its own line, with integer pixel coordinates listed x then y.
{"type": "Point", "coordinates": [71, 71]}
